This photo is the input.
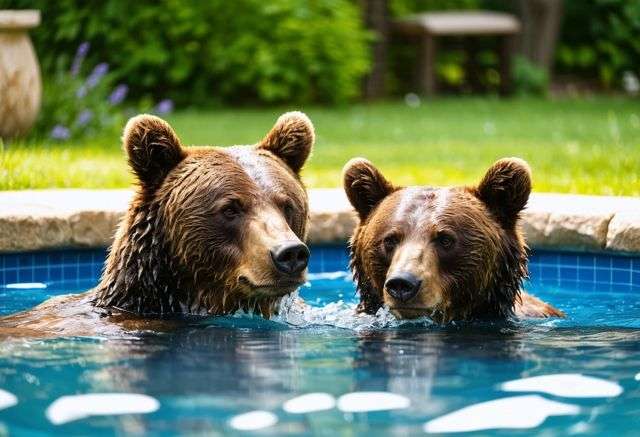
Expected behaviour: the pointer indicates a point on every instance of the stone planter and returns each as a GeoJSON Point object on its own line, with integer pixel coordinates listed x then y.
{"type": "Point", "coordinates": [20, 83]}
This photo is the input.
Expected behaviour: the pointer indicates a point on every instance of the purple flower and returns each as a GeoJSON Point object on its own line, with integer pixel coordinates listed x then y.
{"type": "Point", "coordinates": [59, 132]}
{"type": "Point", "coordinates": [118, 94]}
{"type": "Point", "coordinates": [84, 117]}
{"type": "Point", "coordinates": [98, 73]}
{"type": "Point", "coordinates": [81, 53]}
{"type": "Point", "coordinates": [81, 92]}
{"type": "Point", "coordinates": [94, 78]}
{"type": "Point", "coordinates": [164, 107]}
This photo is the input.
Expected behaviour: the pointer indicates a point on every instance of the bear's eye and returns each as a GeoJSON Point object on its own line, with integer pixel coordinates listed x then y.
{"type": "Point", "coordinates": [390, 242]}
{"type": "Point", "coordinates": [445, 240]}
{"type": "Point", "coordinates": [232, 211]}
{"type": "Point", "coordinates": [288, 211]}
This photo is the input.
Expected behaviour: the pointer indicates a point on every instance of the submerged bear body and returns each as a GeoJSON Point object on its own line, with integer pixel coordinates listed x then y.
{"type": "Point", "coordinates": [447, 253]}
{"type": "Point", "coordinates": [209, 231]}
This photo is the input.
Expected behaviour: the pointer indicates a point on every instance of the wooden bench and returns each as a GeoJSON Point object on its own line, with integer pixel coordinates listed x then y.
{"type": "Point", "coordinates": [429, 26]}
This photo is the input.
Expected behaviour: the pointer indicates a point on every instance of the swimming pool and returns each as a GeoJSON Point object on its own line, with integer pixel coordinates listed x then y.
{"type": "Point", "coordinates": [243, 374]}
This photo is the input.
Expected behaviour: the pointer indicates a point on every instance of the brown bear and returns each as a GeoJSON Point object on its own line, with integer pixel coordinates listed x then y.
{"type": "Point", "coordinates": [452, 254]}
{"type": "Point", "coordinates": [209, 231]}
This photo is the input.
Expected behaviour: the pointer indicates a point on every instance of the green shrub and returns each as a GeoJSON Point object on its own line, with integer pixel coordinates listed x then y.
{"type": "Point", "coordinates": [600, 39]}
{"type": "Point", "coordinates": [203, 51]}
{"type": "Point", "coordinates": [77, 105]}
{"type": "Point", "coordinates": [404, 7]}
{"type": "Point", "coordinates": [528, 78]}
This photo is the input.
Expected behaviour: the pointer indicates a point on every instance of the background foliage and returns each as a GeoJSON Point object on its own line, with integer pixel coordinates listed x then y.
{"type": "Point", "coordinates": [300, 51]}
{"type": "Point", "coordinates": [198, 51]}
{"type": "Point", "coordinates": [600, 40]}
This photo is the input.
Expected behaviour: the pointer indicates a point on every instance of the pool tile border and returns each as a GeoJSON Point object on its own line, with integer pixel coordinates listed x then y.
{"type": "Point", "coordinates": [51, 219]}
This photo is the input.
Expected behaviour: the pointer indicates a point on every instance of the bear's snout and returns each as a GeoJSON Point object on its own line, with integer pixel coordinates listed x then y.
{"type": "Point", "coordinates": [290, 258]}
{"type": "Point", "coordinates": [403, 286]}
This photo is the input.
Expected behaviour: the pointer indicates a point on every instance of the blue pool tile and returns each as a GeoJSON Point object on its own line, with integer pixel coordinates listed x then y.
{"type": "Point", "coordinates": [603, 275]}
{"type": "Point", "coordinates": [547, 272]}
{"type": "Point", "coordinates": [548, 258]}
{"type": "Point", "coordinates": [41, 274]}
{"type": "Point", "coordinates": [25, 260]}
{"type": "Point", "coordinates": [55, 258]}
{"type": "Point", "coordinates": [618, 262]}
{"type": "Point", "coordinates": [534, 271]}
{"type": "Point", "coordinates": [621, 276]}
{"type": "Point", "coordinates": [70, 273]}
{"type": "Point", "coordinates": [587, 261]}
{"type": "Point", "coordinates": [85, 257]}
{"type": "Point", "coordinates": [568, 259]}
{"type": "Point", "coordinates": [70, 257]}
{"type": "Point", "coordinates": [10, 261]}
{"type": "Point", "coordinates": [25, 275]}
{"type": "Point", "coordinates": [568, 273]}
{"type": "Point", "coordinates": [603, 262]}
{"type": "Point", "coordinates": [587, 269]}
{"type": "Point", "coordinates": [55, 272]}
{"type": "Point", "coordinates": [588, 275]}
{"type": "Point", "coordinates": [85, 271]}
{"type": "Point", "coordinates": [10, 276]}
{"type": "Point", "coordinates": [621, 288]}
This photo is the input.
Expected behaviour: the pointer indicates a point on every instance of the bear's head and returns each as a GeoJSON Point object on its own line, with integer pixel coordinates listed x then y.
{"type": "Point", "coordinates": [448, 253]}
{"type": "Point", "coordinates": [210, 230]}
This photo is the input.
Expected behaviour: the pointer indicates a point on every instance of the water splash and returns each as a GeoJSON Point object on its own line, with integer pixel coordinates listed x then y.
{"type": "Point", "coordinates": [295, 312]}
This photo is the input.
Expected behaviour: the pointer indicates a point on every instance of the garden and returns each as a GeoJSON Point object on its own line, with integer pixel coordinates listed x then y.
{"type": "Point", "coordinates": [577, 123]}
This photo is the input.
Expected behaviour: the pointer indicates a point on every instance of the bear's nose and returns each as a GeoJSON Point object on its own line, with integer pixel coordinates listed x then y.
{"type": "Point", "coordinates": [403, 286]}
{"type": "Point", "coordinates": [291, 257]}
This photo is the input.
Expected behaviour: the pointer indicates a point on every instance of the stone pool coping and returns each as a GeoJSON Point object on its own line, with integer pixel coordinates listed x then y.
{"type": "Point", "coordinates": [50, 219]}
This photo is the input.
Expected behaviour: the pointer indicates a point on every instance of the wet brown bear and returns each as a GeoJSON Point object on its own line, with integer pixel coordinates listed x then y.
{"type": "Point", "coordinates": [447, 253]}
{"type": "Point", "coordinates": [208, 231]}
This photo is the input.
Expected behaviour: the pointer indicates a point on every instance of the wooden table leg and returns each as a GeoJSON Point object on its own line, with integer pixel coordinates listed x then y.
{"type": "Point", "coordinates": [427, 65]}
{"type": "Point", "coordinates": [473, 70]}
{"type": "Point", "coordinates": [506, 52]}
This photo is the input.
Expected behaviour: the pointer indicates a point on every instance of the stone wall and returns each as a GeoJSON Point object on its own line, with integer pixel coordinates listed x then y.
{"type": "Point", "coordinates": [33, 220]}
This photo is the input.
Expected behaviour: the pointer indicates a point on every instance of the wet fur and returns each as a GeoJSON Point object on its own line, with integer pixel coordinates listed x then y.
{"type": "Point", "coordinates": [482, 278]}
{"type": "Point", "coordinates": [173, 253]}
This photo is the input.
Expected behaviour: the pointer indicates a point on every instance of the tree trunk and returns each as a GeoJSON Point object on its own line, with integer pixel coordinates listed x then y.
{"type": "Point", "coordinates": [376, 18]}
{"type": "Point", "coordinates": [540, 28]}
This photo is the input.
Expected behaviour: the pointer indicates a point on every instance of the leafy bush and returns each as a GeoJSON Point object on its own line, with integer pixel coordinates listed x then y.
{"type": "Point", "coordinates": [528, 78]}
{"type": "Point", "coordinates": [404, 7]}
{"type": "Point", "coordinates": [75, 106]}
{"type": "Point", "coordinates": [600, 39]}
{"type": "Point", "coordinates": [197, 51]}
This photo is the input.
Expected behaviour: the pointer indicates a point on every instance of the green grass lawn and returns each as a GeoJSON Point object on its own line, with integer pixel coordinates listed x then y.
{"type": "Point", "coordinates": [579, 146]}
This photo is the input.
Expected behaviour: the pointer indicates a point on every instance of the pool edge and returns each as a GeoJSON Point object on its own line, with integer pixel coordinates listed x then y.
{"type": "Point", "coordinates": [79, 218]}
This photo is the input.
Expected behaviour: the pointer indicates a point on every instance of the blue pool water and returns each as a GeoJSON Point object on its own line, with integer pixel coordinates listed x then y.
{"type": "Point", "coordinates": [212, 370]}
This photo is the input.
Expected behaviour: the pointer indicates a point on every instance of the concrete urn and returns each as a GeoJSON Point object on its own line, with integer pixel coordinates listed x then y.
{"type": "Point", "coordinates": [20, 83]}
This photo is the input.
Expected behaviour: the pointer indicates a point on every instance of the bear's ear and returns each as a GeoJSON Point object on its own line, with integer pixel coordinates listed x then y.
{"type": "Point", "coordinates": [505, 189]}
{"type": "Point", "coordinates": [365, 186]}
{"type": "Point", "coordinates": [153, 148]}
{"type": "Point", "coordinates": [290, 139]}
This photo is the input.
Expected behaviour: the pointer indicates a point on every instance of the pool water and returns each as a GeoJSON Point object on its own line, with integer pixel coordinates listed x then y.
{"type": "Point", "coordinates": [207, 376]}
